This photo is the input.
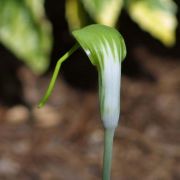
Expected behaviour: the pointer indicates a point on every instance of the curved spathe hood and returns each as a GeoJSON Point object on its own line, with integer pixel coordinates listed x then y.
{"type": "Point", "coordinates": [106, 50]}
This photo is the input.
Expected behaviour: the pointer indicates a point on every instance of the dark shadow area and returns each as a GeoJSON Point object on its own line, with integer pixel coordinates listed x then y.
{"type": "Point", "coordinates": [77, 70]}
{"type": "Point", "coordinates": [10, 86]}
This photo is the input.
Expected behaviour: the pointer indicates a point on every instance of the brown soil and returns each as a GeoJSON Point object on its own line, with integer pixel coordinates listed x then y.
{"type": "Point", "coordinates": [64, 141]}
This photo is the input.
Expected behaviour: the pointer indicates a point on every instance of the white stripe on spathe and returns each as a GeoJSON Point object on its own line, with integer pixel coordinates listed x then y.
{"type": "Point", "coordinates": [111, 77]}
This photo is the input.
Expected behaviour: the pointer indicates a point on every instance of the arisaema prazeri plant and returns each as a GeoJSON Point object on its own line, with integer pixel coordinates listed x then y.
{"type": "Point", "coordinates": [106, 50]}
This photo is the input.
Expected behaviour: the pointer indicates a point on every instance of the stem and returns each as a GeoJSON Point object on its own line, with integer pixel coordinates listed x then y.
{"type": "Point", "coordinates": [55, 74]}
{"type": "Point", "coordinates": [107, 157]}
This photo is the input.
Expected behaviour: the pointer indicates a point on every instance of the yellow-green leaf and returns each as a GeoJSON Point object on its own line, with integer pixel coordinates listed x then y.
{"type": "Point", "coordinates": [156, 17]}
{"type": "Point", "coordinates": [74, 14]}
{"type": "Point", "coordinates": [104, 11]}
{"type": "Point", "coordinates": [26, 32]}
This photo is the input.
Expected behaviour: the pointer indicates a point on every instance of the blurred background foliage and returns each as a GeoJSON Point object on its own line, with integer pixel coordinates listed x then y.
{"type": "Point", "coordinates": [158, 17]}
{"type": "Point", "coordinates": [40, 144]}
{"type": "Point", "coordinates": [25, 30]}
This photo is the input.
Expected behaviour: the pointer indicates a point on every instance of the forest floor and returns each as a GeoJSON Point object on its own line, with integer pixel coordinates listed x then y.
{"type": "Point", "coordinates": [64, 140]}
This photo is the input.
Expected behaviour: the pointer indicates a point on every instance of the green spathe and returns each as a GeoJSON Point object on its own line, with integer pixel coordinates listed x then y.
{"type": "Point", "coordinates": [98, 40]}
{"type": "Point", "coordinates": [106, 49]}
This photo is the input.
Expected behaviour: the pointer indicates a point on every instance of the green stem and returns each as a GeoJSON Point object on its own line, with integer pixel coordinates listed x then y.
{"type": "Point", "coordinates": [55, 74]}
{"type": "Point", "coordinates": [107, 157]}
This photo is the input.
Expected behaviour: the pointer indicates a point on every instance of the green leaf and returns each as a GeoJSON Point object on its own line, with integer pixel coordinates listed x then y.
{"type": "Point", "coordinates": [75, 14]}
{"type": "Point", "coordinates": [106, 50]}
{"type": "Point", "coordinates": [80, 13]}
{"type": "Point", "coordinates": [156, 17]}
{"type": "Point", "coordinates": [26, 32]}
{"type": "Point", "coordinates": [104, 11]}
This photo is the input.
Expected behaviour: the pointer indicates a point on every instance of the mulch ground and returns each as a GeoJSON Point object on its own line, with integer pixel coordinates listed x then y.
{"type": "Point", "coordinates": [64, 140]}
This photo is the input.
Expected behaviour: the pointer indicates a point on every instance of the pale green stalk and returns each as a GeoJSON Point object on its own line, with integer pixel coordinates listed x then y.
{"type": "Point", "coordinates": [55, 74]}
{"type": "Point", "coordinates": [107, 157]}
